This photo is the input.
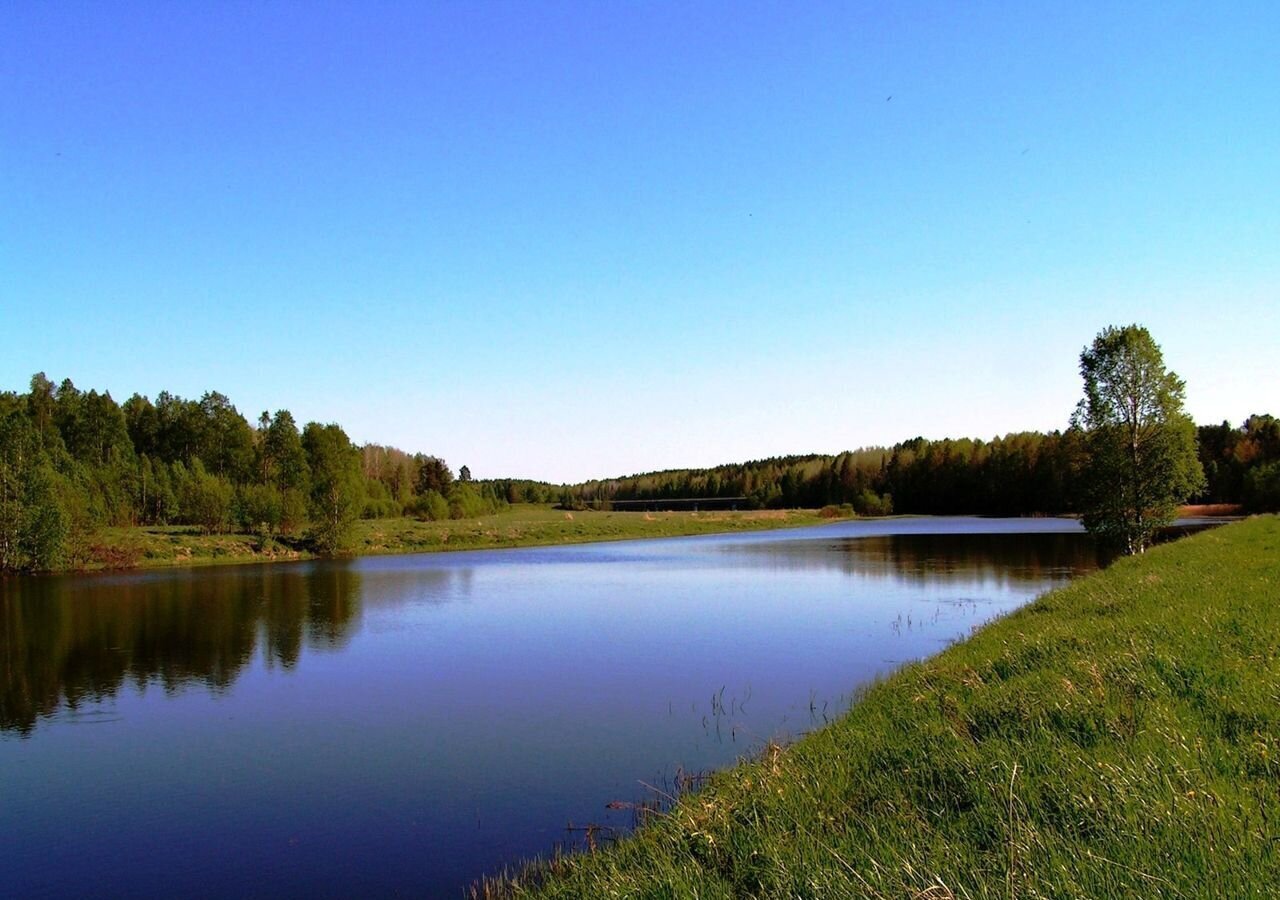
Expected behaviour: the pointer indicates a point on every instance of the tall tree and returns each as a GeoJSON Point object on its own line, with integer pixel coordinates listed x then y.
{"type": "Point", "coordinates": [284, 462]}
{"type": "Point", "coordinates": [1140, 447]}
{"type": "Point", "coordinates": [227, 445]}
{"type": "Point", "coordinates": [143, 424]}
{"type": "Point", "coordinates": [40, 407]}
{"type": "Point", "coordinates": [337, 485]}
{"type": "Point", "coordinates": [33, 527]}
{"type": "Point", "coordinates": [433, 475]}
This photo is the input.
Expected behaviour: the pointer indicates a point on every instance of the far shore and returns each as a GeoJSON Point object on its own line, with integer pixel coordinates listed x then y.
{"type": "Point", "coordinates": [522, 525]}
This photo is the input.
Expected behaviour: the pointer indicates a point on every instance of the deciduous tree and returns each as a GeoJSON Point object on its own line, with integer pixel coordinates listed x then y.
{"type": "Point", "coordinates": [1140, 447]}
{"type": "Point", "coordinates": [33, 527]}
{"type": "Point", "coordinates": [337, 485]}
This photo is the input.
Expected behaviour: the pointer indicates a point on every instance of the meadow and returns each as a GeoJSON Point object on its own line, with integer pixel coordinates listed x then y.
{"type": "Point", "coordinates": [521, 525]}
{"type": "Point", "coordinates": [1119, 737]}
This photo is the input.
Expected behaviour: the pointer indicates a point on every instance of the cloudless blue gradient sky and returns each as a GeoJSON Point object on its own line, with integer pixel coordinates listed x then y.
{"type": "Point", "coordinates": [576, 240]}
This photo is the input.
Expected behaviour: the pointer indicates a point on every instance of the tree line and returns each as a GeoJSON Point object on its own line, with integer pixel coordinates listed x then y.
{"type": "Point", "coordinates": [72, 462]}
{"type": "Point", "coordinates": [1130, 459]}
{"type": "Point", "coordinates": [1027, 473]}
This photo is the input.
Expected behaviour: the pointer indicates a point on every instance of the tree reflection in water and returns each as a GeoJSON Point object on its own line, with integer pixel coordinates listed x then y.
{"type": "Point", "coordinates": [66, 641]}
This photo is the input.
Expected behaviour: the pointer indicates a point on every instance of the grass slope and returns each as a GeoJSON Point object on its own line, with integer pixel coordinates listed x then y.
{"type": "Point", "coordinates": [1119, 737]}
{"type": "Point", "coordinates": [522, 525]}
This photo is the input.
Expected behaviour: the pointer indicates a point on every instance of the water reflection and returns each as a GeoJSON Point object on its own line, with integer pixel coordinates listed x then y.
{"type": "Point", "coordinates": [68, 641]}
{"type": "Point", "coordinates": [415, 580]}
{"type": "Point", "coordinates": [401, 725]}
{"type": "Point", "coordinates": [920, 559]}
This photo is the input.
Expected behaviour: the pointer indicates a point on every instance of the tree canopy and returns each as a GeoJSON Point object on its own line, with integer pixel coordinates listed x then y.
{"type": "Point", "coordinates": [72, 462]}
{"type": "Point", "coordinates": [1140, 459]}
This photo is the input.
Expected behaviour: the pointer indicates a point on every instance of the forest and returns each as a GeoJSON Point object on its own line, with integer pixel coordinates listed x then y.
{"type": "Point", "coordinates": [74, 461]}
{"type": "Point", "coordinates": [1028, 473]}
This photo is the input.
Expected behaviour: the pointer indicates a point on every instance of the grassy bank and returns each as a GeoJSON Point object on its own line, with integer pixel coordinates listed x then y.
{"type": "Point", "coordinates": [522, 525]}
{"type": "Point", "coordinates": [1117, 738]}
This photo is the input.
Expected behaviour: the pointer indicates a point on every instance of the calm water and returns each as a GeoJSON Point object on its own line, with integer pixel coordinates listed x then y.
{"type": "Point", "coordinates": [405, 724]}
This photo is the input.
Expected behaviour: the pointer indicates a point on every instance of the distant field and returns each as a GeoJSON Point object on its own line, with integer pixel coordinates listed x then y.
{"type": "Point", "coordinates": [522, 525]}
{"type": "Point", "coordinates": [1210, 510]}
{"type": "Point", "coordinates": [1119, 737]}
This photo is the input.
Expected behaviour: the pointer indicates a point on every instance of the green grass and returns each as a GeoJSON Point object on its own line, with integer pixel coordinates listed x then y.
{"type": "Point", "coordinates": [522, 525]}
{"type": "Point", "coordinates": [528, 525]}
{"type": "Point", "coordinates": [1119, 737]}
{"type": "Point", "coordinates": [178, 545]}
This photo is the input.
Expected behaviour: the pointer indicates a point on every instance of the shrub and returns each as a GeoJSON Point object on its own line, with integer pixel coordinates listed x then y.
{"type": "Point", "coordinates": [465, 502]}
{"type": "Point", "coordinates": [380, 508]}
{"type": "Point", "coordinates": [430, 506]}
{"type": "Point", "coordinates": [207, 500]}
{"type": "Point", "coordinates": [260, 509]}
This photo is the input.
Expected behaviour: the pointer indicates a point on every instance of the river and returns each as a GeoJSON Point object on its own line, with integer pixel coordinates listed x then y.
{"type": "Point", "coordinates": [403, 725]}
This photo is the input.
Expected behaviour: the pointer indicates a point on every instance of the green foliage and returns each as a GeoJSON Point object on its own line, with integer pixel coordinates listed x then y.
{"type": "Point", "coordinates": [337, 485]}
{"type": "Point", "coordinates": [1229, 455]}
{"type": "Point", "coordinates": [465, 502]}
{"type": "Point", "coordinates": [206, 500]}
{"type": "Point", "coordinates": [45, 526]}
{"type": "Point", "coordinates": [522, 490]}
{"type": "Point", "coordinates": [81, 512]}
{"type": "Point", "coordinates": [1140, 447]}
{"type": "Point", "coordinates": [516, 526]}
{"type": "Point", "coordinates": [432, 475]}
{"type": "Point", "coordinates": [380, 508]}
{"type": "Point", "coordinates": [389, 472]}
{"type": "Point", "coordinates": [869, 503]}
{"type": "Point", "coordinates": [226, 438]}
{"type": "Point", "coordinates": [134, 465]}
{"type": "Point", "coordinates": [571, 499]}
{"type": "Point", "coordinates": [41, 410]}
{"type": "Point", "coordinates": [91, 425]}
{"type": "Point", "coordinates": [378, 502]}
{"type": "Point", "coordinates": [1262, 488]}
{"type": "Point", "coordinates": [293, 511]}
{"type": "Point", "coordinates": [431, 506]}
{"type": "Point", "coordinates": [199, 462]}
{"type": "Point", "coordinates": [282, 462]}
{"type": "Point", "coordinates": [155, 499]}
{"type": "Point", "coordinates": [33, 526]}
{"type": "Point", "coordinates": [1018, 474]}
{"type": "Point", "coordinates": [260, 509]}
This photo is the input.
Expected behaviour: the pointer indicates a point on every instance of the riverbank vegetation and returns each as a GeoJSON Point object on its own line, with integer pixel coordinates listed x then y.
{"type": "Point", "coordinates": [74, 463]}
{"type": "Point", "coordinates": [76, 467]}
{"type": "Point", "coordinates": [517, 525]}
{"type": "Point", "coordinates": [1119, 737]}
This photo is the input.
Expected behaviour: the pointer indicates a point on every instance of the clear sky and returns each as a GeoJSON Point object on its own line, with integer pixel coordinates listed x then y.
{"type": "Point", "coordinates": [576, 240]}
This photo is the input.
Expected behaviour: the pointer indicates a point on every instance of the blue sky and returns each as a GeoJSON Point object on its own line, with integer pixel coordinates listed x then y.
{"type": "Point", "coordinates": [577, 240]}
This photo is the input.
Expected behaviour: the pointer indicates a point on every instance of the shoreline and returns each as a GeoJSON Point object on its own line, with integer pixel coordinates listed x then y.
{"type": "Point", "coordinates": [156, 548]}
{"type": "Point", "coordinates": [1120, 723]}
{"type": "Point", "coordinates": [152, 548]}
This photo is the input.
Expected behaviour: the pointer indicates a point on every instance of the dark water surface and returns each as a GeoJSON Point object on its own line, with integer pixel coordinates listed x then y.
{"type": "Point", "coordinates": [402, 725]}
